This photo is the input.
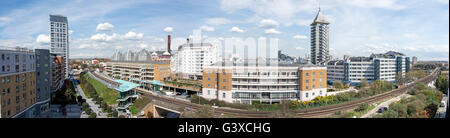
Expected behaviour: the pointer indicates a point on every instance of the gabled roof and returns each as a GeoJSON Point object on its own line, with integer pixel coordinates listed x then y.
{"type": "Point", "coordinates": [320, 19]}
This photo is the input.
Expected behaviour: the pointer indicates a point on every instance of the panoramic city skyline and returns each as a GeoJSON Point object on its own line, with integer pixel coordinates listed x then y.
{"type": "Point", "coordinates": [416, 28]}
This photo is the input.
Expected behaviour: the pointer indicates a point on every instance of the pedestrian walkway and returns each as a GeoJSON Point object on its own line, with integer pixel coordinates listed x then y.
{"type": "Point", "coordinates": [95, 107]}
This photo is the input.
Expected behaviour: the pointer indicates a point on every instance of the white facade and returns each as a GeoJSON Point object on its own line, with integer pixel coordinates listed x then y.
{"type": "Point", "coordinates": [191, 58]}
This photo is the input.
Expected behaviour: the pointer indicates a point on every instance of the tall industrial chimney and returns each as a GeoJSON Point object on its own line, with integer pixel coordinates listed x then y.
{"type": "Point", "coordinates": [168, 45]}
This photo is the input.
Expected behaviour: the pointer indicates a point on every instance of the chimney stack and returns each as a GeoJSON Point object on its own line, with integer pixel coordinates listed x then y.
{"type": "Point", "coordinates": [168, 45]}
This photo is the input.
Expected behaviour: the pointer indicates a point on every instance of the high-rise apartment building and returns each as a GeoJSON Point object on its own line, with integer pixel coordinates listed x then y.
{"type": "Point", "coordinates": [59, 39]}
{"type": "Point", "coordinates": [192, 57]}
{"type": "Point", "coordinates": [319, 40]}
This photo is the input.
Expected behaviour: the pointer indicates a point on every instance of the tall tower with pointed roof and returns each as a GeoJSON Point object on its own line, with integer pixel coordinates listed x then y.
{"type": "Point", "coordinates": [319, 40]}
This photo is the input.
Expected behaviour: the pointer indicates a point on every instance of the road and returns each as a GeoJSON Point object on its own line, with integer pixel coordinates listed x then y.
{"type": "Point", "coordinates": [373, 112]}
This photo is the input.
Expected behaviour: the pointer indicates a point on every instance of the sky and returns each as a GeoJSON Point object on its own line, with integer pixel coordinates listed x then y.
{"type": "Point", "coordinates": [358, 27]}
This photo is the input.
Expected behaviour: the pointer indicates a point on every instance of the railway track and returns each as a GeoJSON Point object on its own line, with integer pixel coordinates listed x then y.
{"type": "Point", "coordinates": [306, 113]}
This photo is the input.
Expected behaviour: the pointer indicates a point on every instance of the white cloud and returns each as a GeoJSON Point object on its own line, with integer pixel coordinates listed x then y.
{"type": "Point", "coordinates": [268, 23]}
{"type": "Point", "coordinates": [299, 48]}
{"type": "Point", "coordinates": [43, 39]}
{"type": "Point", "coordinates": [168, 29]}
{"type": "Point", "coordinates": [271, 31]}
{"type": "Point", "coordinates": [442, 1]}
{"type": "Point", "coordinates": [207, 28]}
{"type": "Point", "coordinates": [104, 27]}
{"type": "Point", "coordinates": [5, 19]}
{"type": "Point", "coordinates": [300, 37]}
{"type": "Point", "coordinates": [237, 30]}
{"type": "Point", "coordinates": [132, 35]}
{"type": "Point", "coordinates": [411, 35]}
{"type": "Point", "coordinates": [217, 21]}
{"type": "Point", "coordinates": [105, 37]}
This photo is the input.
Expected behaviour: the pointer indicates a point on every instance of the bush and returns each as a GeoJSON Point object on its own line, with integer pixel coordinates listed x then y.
{"type": "Point", "coordinates": [388, 114]}
{"type": "Point", "coordinates": [115, 113]}
{"type": "Point", "coordinates": [338, 84]}
{"type": "Point", "coordinates": [400, 108]}
{"type": "Point", "coordinates": [362, 107]}
{"type": "Point", "coordinates": [85, 106]}
{"type": "Point", "coordinates": [121, 116]}
{"type": "Point", "coordinates": [88, 111]}
{"type": "Point", "coordinates": [93, 115]}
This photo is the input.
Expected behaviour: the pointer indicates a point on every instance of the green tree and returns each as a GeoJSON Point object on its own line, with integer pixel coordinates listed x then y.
{"type": "Point", "coordinates": [338, 84]}
{"type": "Point", "coordinates": [363, 83]}
{"type": "Point", "coordinates": [400, 108]}
{"type": "Point", "coordinates": [414, 107]}
{"type": "Point", "coordinates": [85, 106]}
{"type": "Point", "coordinates": [442, 83]}
{"type": "Point", "coordinates": [399, 78]}
{"type": "Point", "coordinates": [93, 115]}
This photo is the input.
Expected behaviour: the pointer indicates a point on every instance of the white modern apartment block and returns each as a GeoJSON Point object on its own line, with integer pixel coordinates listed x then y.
{"type": "Point", "coordinates": [192, 57]}
{"type": "Point", "coordinates": [376, 67]}
{"type": "Point", "coordinates": [59, 39]}
{"type": "Point", "coordinates": [268, 84]}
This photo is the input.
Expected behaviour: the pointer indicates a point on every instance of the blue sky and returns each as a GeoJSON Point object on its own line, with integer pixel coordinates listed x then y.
{"type": "Point", "coordinates": [358, 27]}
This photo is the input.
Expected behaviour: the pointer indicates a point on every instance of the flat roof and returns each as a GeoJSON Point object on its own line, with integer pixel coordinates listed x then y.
{"type": "Point", "coordinates": [125, 85]}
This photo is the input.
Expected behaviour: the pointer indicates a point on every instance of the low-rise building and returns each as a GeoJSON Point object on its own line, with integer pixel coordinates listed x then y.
{"type": "Point", "coordinates": [245, 83]}
{"type": "Point", "coordinates": [145, 71]}
{"type": "Point", "coordinates": [376, 67]}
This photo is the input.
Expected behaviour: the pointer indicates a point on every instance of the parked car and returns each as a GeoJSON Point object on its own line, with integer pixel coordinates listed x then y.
{"type": "Point", "coordinates": [442, 103]}
{"type": "Point", "coordinates": [382, 109]}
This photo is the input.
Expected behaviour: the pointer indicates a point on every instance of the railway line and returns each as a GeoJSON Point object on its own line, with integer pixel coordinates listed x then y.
{"type": "Point", "coordinates": [305, 113]}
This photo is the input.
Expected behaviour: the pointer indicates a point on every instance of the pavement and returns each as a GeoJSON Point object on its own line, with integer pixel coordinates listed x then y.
{"type": "Point", "coordinates": [95, 107]}
{"type": "Point", "coordinates": [373, 112]}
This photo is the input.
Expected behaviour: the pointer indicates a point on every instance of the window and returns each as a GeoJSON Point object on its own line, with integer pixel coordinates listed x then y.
{"type": "Point", "coordinates": [307, 74]}
{"type": "Point", "coordinates": [224, 80]}
{"type": "Point", "coordinates": [313, 73]}
{"type": "Point", "coordinates": [209, 92]}
{"type": "Point", "coordinates": [307, 87]}
{"type": "Point", "coordinates": [3, 56]}
{"type": "Point", "coordinates": [306, 95]}
{"type": "Point", "coordinates": [224, 87]}
{"type": "Point", "coordinates": [223, 95]}
{"type": "Point", "coordinates": [307, 81]}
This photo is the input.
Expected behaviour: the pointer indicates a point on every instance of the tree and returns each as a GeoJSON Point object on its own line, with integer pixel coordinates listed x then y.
{"type": "Point", "coordinates": [442, 83]}
{"type": "Point", "coordinates": [338, 84]}
{"type": "Point", "coordinates": [400, 108]}
{"type": "Point", "coordinates": [88, 111]}
{"type": "Point", "coordinates": [363, 83]}
{"type": "Point", "coordinates": [115, 113]}
{"type": "Point", "coordinates": [85, 106]}
{"type": "Point", "coordinates": [414, 107]}
{"type": "Point", "coordinates": [93, 115]}
{"type": "Point", "coordinates": [399, 78]}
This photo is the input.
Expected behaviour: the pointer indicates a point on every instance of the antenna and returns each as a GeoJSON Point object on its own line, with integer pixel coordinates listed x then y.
{"type": "Point", "coordinates": [318, 1]}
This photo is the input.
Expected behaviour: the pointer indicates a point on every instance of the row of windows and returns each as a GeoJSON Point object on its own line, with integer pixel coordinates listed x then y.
{"type": "Point", "coordinates": [16, 57]}
{"type": "Point", "coordinates": [7, 68]}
